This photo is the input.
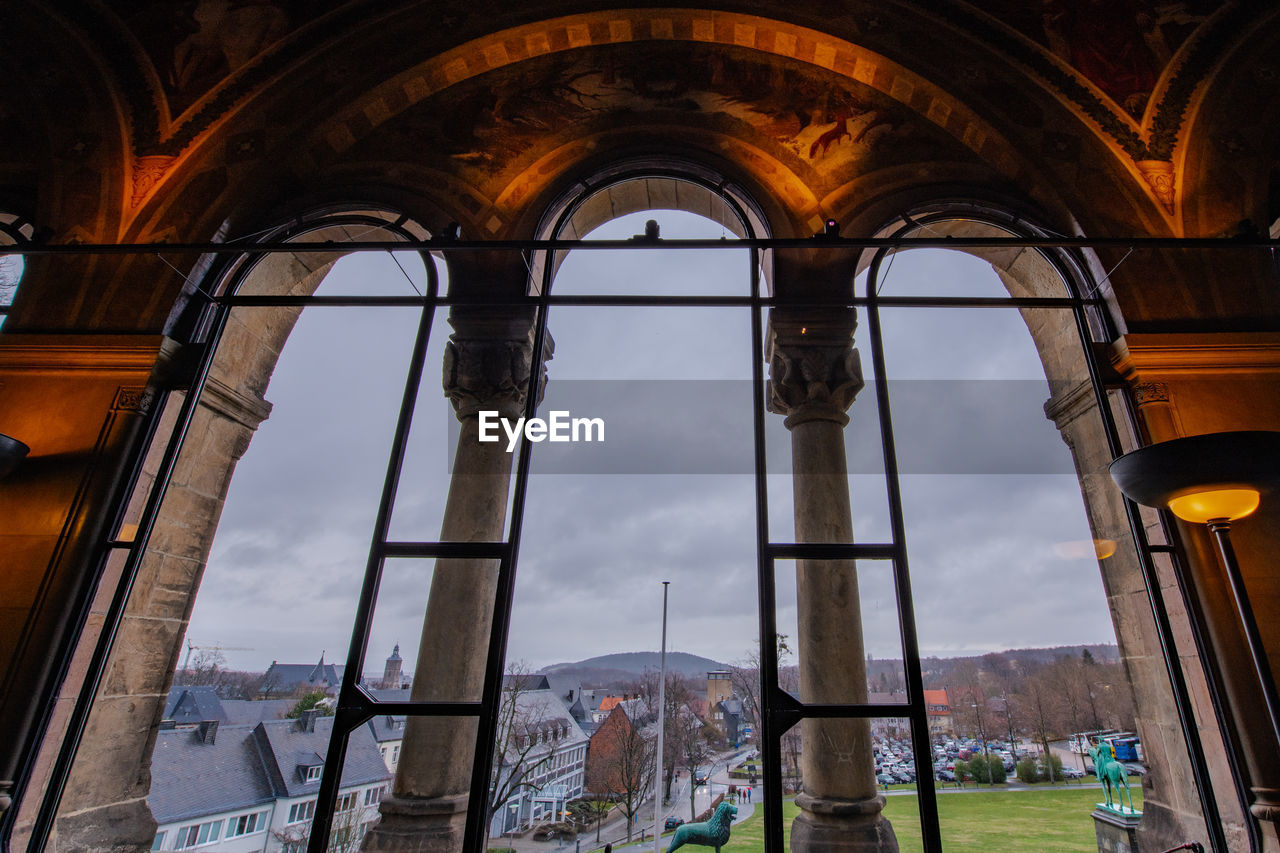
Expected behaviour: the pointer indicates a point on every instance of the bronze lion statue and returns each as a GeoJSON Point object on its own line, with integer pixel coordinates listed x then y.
{"type": "Point", "coordinates": [711, 833]}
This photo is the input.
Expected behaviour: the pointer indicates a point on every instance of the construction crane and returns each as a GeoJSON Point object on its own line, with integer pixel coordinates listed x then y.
{"type": "Point", "coordinates": [214, 648]}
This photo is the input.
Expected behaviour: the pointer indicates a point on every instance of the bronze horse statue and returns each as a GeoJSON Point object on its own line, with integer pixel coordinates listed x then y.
{"type": "Point", "coordinates": [1111, 773]}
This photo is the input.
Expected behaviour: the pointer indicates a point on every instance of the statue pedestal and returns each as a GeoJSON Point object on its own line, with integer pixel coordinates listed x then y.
{"type": "Point", "coordinates": [1117, 828]}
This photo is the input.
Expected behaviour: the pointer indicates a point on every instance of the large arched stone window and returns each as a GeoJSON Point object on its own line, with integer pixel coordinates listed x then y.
{"type": "Point", "coordinates": [801, 313]}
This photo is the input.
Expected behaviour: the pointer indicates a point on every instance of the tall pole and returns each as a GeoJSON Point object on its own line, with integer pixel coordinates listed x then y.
{"type": "Point", "coordinates": [662, 720]}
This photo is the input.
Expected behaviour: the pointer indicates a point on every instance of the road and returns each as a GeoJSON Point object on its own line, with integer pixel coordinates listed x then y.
{"type": "Point", "coordinates": [615, 831]}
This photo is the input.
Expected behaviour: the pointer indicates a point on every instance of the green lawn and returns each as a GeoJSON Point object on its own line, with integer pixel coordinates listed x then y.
{"type": "Point", "coordinates": [1036, 821]}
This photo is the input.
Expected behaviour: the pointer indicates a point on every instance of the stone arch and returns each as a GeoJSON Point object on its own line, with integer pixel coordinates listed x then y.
{"type": "Point", "coordinates": [1172, 808]}
{"type": "Point", "coordinates": [650, 183]}
{"type": "Point", "coordinates": [105, 793]}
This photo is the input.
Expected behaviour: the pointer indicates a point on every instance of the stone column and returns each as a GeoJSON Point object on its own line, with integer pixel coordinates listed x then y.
{"type": "Point", "coordinates": [814, 375]}
{"type": "Point", "coordinates": [487, 367]}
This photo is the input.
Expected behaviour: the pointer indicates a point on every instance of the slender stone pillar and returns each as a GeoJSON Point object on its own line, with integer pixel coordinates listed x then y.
{"type": "Point", "coordinates": [814, 375]}
{"type": "Point", "coordinates": [487, 367]}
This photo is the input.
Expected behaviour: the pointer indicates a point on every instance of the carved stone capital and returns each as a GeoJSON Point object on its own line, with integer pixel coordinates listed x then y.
{"type": "Point", "coordinates": [814, 371]}
{"type": "Point", "coordinates": [1161, 178]}
{"type": "Point", "coordinates": [1150, 392]}
{"type": "Point", "coordinates": [491, 375]}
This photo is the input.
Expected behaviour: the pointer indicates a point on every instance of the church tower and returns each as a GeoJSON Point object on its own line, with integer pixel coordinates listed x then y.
{"type": "Point", "coordinates": [391, 674]}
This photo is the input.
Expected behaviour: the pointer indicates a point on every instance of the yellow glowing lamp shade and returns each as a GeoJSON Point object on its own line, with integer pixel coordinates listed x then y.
{"type": "Point", "coordinates": [1215, 504]}
{"type": "Point", "coordinates": [1202, 478]}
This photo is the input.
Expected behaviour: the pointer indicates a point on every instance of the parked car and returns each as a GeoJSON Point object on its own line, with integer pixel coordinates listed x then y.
{"type": "Point", "coordinates": [1072, 773]}
{"type": "Point", "coordinates": [672, 822]}
{"type": "Point", "coordinates": [885, 779]}
{"type": "Point", "coordinates": [945, 776]}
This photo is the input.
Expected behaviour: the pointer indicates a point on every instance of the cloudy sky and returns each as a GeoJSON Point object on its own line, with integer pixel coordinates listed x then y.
{"type": "Point", "coordinates": [994, 516]}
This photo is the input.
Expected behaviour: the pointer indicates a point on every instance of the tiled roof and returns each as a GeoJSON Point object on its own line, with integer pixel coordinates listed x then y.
{"type": "Point", "coordinates": [288, 677]}
{"type": "Point", "coordinates": [190, 778]}
{"type": "Point", "coordinates": [289, 747]}
{"type": "Point", "coordinates": [935, 697]}
{"type": "Point", "coordinates": [191, 705]}
{"type": "Point", "coordinates": [241, 712]}
{"type": "Point", "coordinates": [247, 766]}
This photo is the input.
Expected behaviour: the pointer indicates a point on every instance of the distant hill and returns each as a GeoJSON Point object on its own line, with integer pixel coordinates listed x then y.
{"type": "Point", "coordinates": [936, 670]}
{"type": "Point", "coordinates": [626, 667]}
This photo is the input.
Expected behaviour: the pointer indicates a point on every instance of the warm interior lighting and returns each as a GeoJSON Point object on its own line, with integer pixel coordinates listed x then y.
{"type": "Point", "coordinates": [1082, 549]}
{"type": "Point", "coordinates": [1215, 504]}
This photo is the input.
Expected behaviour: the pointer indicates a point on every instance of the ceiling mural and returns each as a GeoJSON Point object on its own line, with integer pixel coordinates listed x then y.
{"type": "Point", "coordinates": [821, 123]}
{"type": "Point", "coordinates": [194, 45]}
{"type": "Point", "coordinates": [224, 48]}
{"type": "Point", "coordinates": [1120, 46]}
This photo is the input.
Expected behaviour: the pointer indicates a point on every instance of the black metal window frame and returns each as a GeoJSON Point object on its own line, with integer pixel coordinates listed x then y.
{"type": "Point", "coordinates": [780, 710]}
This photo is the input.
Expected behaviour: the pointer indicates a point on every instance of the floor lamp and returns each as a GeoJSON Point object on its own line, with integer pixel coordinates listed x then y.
{"type": "Point", "coordinates": [1213, 479]}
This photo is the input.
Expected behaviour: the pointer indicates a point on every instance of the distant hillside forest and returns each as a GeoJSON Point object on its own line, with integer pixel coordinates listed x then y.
{"type": "Point", "coordinates": [1043, 693]}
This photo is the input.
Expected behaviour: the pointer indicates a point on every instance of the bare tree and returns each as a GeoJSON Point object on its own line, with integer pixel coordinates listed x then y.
{"type": "Point", "coordinates": [524, 743]}
{"type": "Point", "coordinates": [346, 832]}
{"type": "Point", "coordinates": [207, 668]}
{"type": "Point", "coordinates": [1039, 708]}
{"type": "Point", "coordinates": [621, 762]}
{"type": "Point", "coordinates": [679, 694]}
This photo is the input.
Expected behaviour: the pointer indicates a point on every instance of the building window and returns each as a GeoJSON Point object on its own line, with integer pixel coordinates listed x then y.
{"type": "Point", "coordinates": [158, 843]}
{"type": "Point", "coordinates": [300, 812]}
{"type": "Point", "coordinates": [373, 796]}
{"type": "Point", "coordinates": [312, 774]}
{"type": "Point", "coordinates": [194, 836]}
{"type": "Point", "coordinates": [246, 824]}
{"type": "Point", "coordinates": [347, 802]}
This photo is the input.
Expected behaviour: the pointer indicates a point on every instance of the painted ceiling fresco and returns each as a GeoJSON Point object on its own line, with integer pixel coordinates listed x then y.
{"type": "Point", "coordinates": [1121, 46]}
{"type": "Point", "coordinates": [195, 44]}
{"type": "Point", "coordinates": [818, 123]}
{"type": "Point", "coordinates": [1104, 56]}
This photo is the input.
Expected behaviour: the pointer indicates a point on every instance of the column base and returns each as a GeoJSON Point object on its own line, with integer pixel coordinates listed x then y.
{"type": "Point", "coordinates": [842, 826]}
{"type": "Point", "coordinates": [1117, 830]}
{"type": "Point", "coordinates": [418, 825]}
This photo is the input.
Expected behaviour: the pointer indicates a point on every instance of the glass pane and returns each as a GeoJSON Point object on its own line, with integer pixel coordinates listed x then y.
{"type": "Point", "coordinates": [839, 639]}
{"type": "Point", "coordinates": [651, 272]}
{"type": "Point", "coordinates": [430, 450]}
{"type": "Point", "coordinates": [861, 440]}
{"type": "Point", "coordinates": [354, 274]}
{"type": "Point", "coordinates": [823, 771]}
{"type": "Point", "coordinates": [286, 564]}
{"type": "Point", "coordinates": [428, 749]}
{"type": "Point", "coordinates": [949, 273]}
{"type": "Point", "coordinates": [667, 496]}
{"type": "Point", "coordinates": [426, 613]}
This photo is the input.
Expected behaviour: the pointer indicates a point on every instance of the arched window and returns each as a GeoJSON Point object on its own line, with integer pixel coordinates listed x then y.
{"type": "Point", "coordinates": [14, 231]}
{"type": "Point", "coordinates": [846, 479]}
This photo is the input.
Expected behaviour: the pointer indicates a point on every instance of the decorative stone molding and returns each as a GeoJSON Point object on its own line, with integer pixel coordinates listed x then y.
{"type": "Point", "coordinates": [491, 374]}
{"type": "Point", "coordinates": [76, 353]}
{"type": "Point", "coordinates": [233, 404]}
{"type": "Point", "coordinates": [147, 172]}
{"type": "Point", "coordinates": [814, 371]}
{"type": "Point", "coordinates": [1145, 393]}
{"type": "Point", "coordinates": [133, 399]}
{"type": "Point", "coordinates": [1190, 354]}
{"type": "Point", "coordinates": [1067, 405]}
{"type": "Point", "coordinates": [1160, 177]}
